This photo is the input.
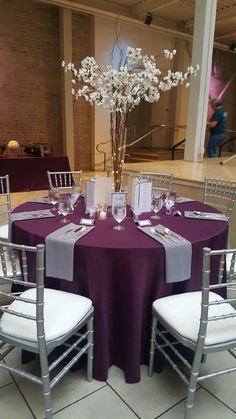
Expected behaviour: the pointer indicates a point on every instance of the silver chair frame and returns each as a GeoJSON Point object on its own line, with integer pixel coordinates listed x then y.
{"type": "Point", "coordinates": [64, 179]}
{"type": "Point", "coordinates": [159, 180]}
{"type": "Point", "coordinates": [41, 346]}
{"type": "Point", "coordinates": [5, 200]}
{"type": "Point", "coordinates": [201, 350]}
{"type": "Point", "coordinates": [220, 193]}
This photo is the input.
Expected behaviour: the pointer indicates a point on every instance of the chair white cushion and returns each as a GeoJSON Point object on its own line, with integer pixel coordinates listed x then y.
{"type": "Point", "coordinates": [182, 313]}
{"type": "Point", "coordinates": [62, 311]}
{"type": "Point", "coordinates": [4, 232]}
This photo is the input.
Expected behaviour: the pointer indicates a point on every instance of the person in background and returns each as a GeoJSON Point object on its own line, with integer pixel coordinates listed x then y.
{"type": "Point", "coordinates": [217, 126]}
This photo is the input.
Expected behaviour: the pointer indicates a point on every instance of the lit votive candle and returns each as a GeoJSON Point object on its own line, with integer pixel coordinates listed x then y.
{"type": "Point", "coordinates": [102, 215]}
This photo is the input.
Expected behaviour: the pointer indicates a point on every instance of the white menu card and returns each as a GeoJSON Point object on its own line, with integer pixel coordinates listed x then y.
{"type": "Point", "coordinates": [102, 190]}
{"type": "Point", "coordinates": [118, 198]}
{"type": "Point", "coordinates": [90, 206]}
{"type": "Point", "coordinates": [142, 197]}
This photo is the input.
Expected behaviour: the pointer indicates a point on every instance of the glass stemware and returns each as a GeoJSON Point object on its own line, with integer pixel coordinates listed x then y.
{"type": "Point", "coordinates": [75, 194]}
{"type": "Point", "coordinates": [170, 201]}
{"type": "Point", "coordinates": [64, 208]}
{"type": "Point", "coordinates": [53, 198]}
{"type": "Point", "coordinates": [119, 214]}
{"type": "Point", "coordinates": [157, 203]}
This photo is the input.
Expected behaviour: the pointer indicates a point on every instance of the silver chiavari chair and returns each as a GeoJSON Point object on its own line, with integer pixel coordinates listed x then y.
{"type": "Point", "coordinates": [220, 193]}
{"type": "Point", "coordinates": [159, 180]}
{"type": "Point", "coordinates": [5, 207]}
{"type": "Point", "coordinates": [203, 321]}
{"type": "Point", "coordinates": [41, 319]}
{"type": "Point", "coordinates": [64, 180]}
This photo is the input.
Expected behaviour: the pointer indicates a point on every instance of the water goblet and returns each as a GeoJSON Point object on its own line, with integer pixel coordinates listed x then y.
{"type": "Point", "coordinates": [157, 204]}
{"type": "Point", "coordinates": [64, 208]}
{"type": "Point", "coordinates": [75, 194]}
{"type": "Point", "coordinates": [170, 201]}
{"type": "Point", "coordinates": [119, 214]}
{"type": "Point", "coordinates": [53, 198]}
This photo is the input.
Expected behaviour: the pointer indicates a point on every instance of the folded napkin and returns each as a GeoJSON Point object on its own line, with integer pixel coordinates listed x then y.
{"type": "Point", "coordinates": [60, 250]}
{"type": "Point", "coordinates": [178, 253]}
{"type": "Point", "coordinates": [216, 216]}
{"type": "Point", "coordinates": [182, 199]}
{"type": "Point", "coordinates": [28, 215]}
{"type": "Point", "coordinates": [43, 200]}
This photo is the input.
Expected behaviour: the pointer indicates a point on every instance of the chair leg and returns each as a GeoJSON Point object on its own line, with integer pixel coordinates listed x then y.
{"type": "Point", "coordinates": [90, 350]}
{"type": "Point", "coordinates": [193, 382]}
{"type": "Point", "coordinates": [46, 384]}
{"type": "Point", "coordinates": [152, 346]}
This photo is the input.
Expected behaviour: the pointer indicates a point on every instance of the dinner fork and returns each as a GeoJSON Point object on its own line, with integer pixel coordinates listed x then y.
{"type": "Point", "coordinates": [159, 234]}
{"type": "Point", "coordinates": [75, 234]}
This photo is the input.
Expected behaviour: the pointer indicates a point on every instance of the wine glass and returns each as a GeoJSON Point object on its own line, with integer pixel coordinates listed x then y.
{"type": "Point", "coordinates": [53, 198]}
{"type": "Point", "coordinates": [119, 213]}
{"type": "Point", "coordinates": [157, 203]}
{"type": "Point", "coordinates": [170, 201]}
{"type": "Point", "coordinates": [64, 208]}
{"type": "Point", "coordinates": [75, 194]}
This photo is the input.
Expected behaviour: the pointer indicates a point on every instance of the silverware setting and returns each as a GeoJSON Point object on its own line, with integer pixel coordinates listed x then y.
{"type": "Point", "coordinates": [67, 234]}
{"type": "Point", "coordinates": [76, 233]}
{"type": "Point", "coordinates": [167, 235]}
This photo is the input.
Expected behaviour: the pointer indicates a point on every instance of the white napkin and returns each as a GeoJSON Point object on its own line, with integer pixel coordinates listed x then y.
{"type": "Point", "coordinates": [178, 253]}
{"type": "Point", "coordinates": [216, 216]}
{"type": "Point", "coordinates": [60, 251]}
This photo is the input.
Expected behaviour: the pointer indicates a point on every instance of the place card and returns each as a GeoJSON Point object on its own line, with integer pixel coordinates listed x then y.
{"type": "Point", "coordinates": [87, 221]}
{"type": "Point", "coordinates": [144, 223]}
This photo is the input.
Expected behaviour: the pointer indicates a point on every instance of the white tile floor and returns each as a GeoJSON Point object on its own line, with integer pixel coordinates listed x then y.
{"type": "Point", "coordinates": [161, 396]}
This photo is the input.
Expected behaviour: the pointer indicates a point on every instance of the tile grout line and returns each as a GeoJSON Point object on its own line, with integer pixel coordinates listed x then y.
{"type": "Point", "coordinates": [219, 400]}
{"type": "Point", "coordinates": [109, 385]}
{"type": "Point", "coordinates": [76, 401]}
{"type": "Point", "coordinates": [22, 395]}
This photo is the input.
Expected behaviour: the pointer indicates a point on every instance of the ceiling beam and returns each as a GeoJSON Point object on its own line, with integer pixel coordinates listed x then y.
{"type": "Point", "coordinates": [82, 8]}
{"type": "Point", "coordinates": [151, 6]}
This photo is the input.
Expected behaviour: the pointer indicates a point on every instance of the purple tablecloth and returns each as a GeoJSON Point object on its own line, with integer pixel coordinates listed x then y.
{"type": "Point", "coordinates": [29, 173]}
{"type": "Point", "coordinates": [123, 273]}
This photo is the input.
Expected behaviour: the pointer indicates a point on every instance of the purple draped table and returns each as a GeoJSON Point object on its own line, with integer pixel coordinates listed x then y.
{"type": "Point", "coordinates": [29, 173]}
{"type": "Point", "coordinates": [123, 273]}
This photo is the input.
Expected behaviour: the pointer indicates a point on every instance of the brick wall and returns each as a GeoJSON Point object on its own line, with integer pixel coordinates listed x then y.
{"type": "Point", "coordinates": [82, 109]}
{"type": "Point", "coordinates": [30, 104]}
{"type": "Point", "coordinates": [30, 67]}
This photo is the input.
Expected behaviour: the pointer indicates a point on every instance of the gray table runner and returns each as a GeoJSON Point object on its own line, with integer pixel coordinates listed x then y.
{"type": "Point", "coordinates": [60, 250]}
{"type": "Point", "coordinates": [205, 215]}
{"type": "Point", "coordinates": [182, 199]}
{"type": "Point", "coordinates": [178, 253]}
{"type": "Point", "coordinates": [28, 215]}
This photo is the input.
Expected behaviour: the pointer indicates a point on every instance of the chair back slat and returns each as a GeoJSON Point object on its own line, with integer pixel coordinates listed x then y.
{"type": "Point", "coordinates": [220, 193]}
{"type": "Point", "coordinates": [210, 258]}
{"type": "Point", "coordinates": [11, 275]}
{"type": "Point", "coordinates": [64, 179]}
{"type": "Point", "coordinates": [159, 180]}
{"type": "Point", "coordinates": [5, 200]}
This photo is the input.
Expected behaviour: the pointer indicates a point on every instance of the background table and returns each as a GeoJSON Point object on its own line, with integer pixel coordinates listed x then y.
{"type": "Point", "coordinates": [29, 173]}
{"type": "Point", "coordinates": [123, 273]}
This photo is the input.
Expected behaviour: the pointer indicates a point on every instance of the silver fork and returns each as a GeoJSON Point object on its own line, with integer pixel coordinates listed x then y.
{"type": "Point", "coordinates": [159, 234]}
{"type": "Point", "coordinates": [67, 234]}
{"type": "Point", "coordinates": [76, 233]}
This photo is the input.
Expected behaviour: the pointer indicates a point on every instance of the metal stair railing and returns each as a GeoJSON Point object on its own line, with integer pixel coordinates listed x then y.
{"type": "Point", "coordinates": [154, 129]}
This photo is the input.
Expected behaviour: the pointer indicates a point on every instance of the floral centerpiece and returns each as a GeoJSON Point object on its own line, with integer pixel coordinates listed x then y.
{"type": "Point", "coordinates": [120, 90]}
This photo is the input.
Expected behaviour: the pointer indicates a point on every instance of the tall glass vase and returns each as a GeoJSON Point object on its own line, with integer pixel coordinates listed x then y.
{"type": "Point", "coordinates": [118, 145]}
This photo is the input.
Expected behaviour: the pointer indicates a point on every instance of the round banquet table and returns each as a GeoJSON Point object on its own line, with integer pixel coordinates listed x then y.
{"type": "Point", "coordinates": [123, 272]}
